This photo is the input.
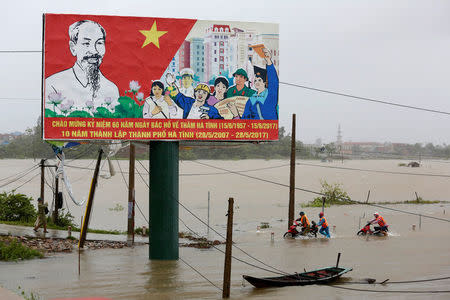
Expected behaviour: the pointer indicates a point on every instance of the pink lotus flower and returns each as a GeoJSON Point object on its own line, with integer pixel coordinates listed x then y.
{"type": "Point", "coordinates": [55, 98]}
{"type": "Point", "coordinates": [108, 101]}
{"type": "Point", "coordinates": [90, 104]}
{"type": "Point", "coordinates": [65, 107]}
{"type": "Point", "coordinates": [140, 96]}
{"type": "Point", "coordinates": [134, 86]}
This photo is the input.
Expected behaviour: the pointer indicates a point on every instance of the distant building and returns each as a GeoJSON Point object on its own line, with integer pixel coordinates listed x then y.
{"type": "Point", "coordinates": [339, 137]}
{"type": "Point", "coordinates": [6, 138]}
{"type": "Point", "coordinates": [360, 147]}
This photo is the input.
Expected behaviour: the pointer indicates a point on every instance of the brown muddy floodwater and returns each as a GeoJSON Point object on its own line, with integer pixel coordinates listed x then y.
{"type": "Point", "coordinates": [128, 274]}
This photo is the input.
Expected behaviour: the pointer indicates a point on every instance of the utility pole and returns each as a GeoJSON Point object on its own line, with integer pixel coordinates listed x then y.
{"type": "Point", "coordinates": [208, 214]}
{"type": "Point", "coordinates": [131, 196]}
{"type": "Point", "coordinates": [292, 176]}
{"type": "Point", "coordinates": [55, 211]}
{"type": "Point", "coordinates": [42, 179]}
{"type": "Point", "coordinates": [90, 201]}
{"type": "Point", "coordinates": [228, 248]}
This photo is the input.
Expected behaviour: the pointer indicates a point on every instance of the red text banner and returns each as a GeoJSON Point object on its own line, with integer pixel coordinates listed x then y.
{"type": "Point", "coordinates": [157, 129]}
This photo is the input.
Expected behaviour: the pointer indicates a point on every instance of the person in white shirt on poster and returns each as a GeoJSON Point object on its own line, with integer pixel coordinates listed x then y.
{"type": "Point", "coordinates": [84, 83]}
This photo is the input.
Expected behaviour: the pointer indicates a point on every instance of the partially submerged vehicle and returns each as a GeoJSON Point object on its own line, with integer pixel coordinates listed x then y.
{"type": "Point", "coordinates": [366, 230]}
{"type": "Point", "coordinates": [293, 232]}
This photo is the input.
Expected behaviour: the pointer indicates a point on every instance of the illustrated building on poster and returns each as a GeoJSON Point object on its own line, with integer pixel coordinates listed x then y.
{"type": "Point", "coordinates": [197, 50]}
{"type": "Point", "coordinates": [241, 42]}
{"type": "Point", "coordinates": [217, 51]}
{"type": "Point", "coordinates": [270, 41]}
{"type": "Point", "coordinates": [173, 67]}
{"type": "Point", "coordinates": [184, 54]}
{"type": "Point", "coordinates": [222, 51]}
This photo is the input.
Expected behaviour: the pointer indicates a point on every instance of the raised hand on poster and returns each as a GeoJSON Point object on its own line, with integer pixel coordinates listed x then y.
{"type": "Point", "coordinates": [170, 79]}
{"type": "Point", "coordinates": [267, 56]}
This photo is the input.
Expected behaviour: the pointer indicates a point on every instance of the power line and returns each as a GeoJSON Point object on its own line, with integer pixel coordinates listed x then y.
{"type": "Point", "coordinates": [375, 171]}
{"type": "Point", "coordinates": [242, 171]}
{"type": "Point", "coordinates": [390, 291]}
{"type": "Point", "coordinates": [18, 177]}
{"type": "Point", "coordinates": [294, 85]}
{"type": "Point", "coordinates": [21, 173]}
{"type": "Point", "coordinates": [20, 99]}
{"type": "Point", "coordinates": [322, 194]}
{"type": "Point", "coordinates": [366, 99]}
{"type": "Point", "coordinates": [198, 174]}
{"type": "Point", "coordinates": [401, 282]}
{"type": "Point", "coordinates": [238, 259]}
{"type": "Point", "coordinates": [20, 51]}
{"type": "Point", "coordinates": [26, 181]}
{"type": "Point", "coordinates": [249, 255]}
{"type": "Point", "coordinates": [125, 181]}
{"type": "Point", "coordinates": [198, 272]}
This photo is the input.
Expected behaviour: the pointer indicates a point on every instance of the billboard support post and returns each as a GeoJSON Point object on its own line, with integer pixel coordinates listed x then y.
{"type": "Point", "coordinates": [164, 172]}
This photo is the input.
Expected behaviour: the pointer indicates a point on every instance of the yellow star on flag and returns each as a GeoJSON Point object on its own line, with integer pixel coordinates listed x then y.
{"type": "Point", "coordinates": [152, 35]}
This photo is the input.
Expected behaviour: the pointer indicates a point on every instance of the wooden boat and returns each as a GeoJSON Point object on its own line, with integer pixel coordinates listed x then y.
{"type": "Point", "coordinates": [320, 276]}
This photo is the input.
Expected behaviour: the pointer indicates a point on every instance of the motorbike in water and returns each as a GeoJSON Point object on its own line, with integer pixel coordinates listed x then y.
{"type": "Point", "coordinates": [366, 230]}
{"type": "Point", "coordinates": [293, 232]}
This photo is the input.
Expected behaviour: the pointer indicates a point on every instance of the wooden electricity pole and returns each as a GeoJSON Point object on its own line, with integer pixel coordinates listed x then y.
{"type": "Point", "coordinates": [131, 196]}
{"type": "Point", "coordinates": [42, 179]}
{"type": "Point", "coordinates": [229, 243]}
{"type": "Point", "coordinates": [55, 211]}
{"type": "Point", "coordinates": [292, 176]}
{"type": "Point", "coordinates": [90, 201]}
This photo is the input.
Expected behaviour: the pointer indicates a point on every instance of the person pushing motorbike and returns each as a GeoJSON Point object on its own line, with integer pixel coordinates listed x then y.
{"type": "Point", "coordinates": [383, 227]}
{"type": "Point", "coordinates": [324, 229]}
{"type": "Point", "coordinates": [304, 222]}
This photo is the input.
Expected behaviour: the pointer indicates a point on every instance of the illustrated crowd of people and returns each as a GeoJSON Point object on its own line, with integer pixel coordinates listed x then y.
{"type": "Point", "coordinates": [200, 103]}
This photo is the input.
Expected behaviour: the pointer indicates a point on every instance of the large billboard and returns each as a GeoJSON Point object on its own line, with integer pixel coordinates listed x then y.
{"type": "Point", "coordinates": [139, 78]}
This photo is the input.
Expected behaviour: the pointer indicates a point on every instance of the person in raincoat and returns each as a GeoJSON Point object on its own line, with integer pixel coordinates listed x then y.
{"type": "Point", "coordinates": [41, 218]}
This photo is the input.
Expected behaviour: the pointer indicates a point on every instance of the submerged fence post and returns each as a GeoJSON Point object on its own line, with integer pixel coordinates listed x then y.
{"type": "Point", "coordinates": [420, 221]}
{"type": "Point", "coordinates": [229, 243]}
{"type": "Point", "coordinates": [338, 258]}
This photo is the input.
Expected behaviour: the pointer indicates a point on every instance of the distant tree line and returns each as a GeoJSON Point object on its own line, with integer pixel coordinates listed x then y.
{"type": "Point", "coordinates": [31, 145]}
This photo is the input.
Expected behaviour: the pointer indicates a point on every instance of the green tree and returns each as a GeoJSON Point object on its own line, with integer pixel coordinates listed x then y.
{"type": "Point", "coordinates": [16, 207]}
{"type": "Point", "coordinates": [334, 194]}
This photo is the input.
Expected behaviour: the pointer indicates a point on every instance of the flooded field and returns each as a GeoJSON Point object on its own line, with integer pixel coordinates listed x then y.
{"type": "Point", "coordinates": [405, 254]}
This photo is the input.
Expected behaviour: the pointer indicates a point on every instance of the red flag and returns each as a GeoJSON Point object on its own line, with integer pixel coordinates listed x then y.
{"type": "Point", "coordinates": [137, 48]}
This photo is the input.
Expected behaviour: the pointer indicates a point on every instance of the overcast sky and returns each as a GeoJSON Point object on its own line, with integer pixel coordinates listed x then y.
{"type": "Point", "coordinates": [396, 51]}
